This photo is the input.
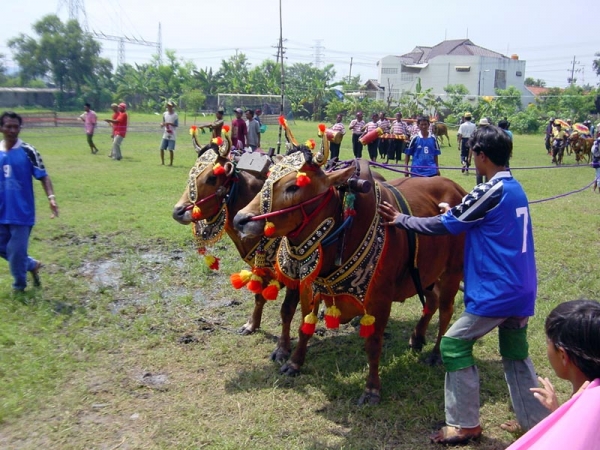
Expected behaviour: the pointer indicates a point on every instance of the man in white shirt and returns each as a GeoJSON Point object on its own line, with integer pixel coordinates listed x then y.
{"type": "Point", "coordinates": [170, 123]}
{"type": "Point", "coordinates": [466, 129]}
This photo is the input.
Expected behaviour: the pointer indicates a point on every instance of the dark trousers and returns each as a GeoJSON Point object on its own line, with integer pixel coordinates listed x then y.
{"type": "Point", "coordinates": [395, 150]}
{"type": "Point", "coordinates": [357, 147]}
{"type": "Point", "coordinates": [372, 148]}
{"type": "Point", "coordinates": [384, 145]}
{"type": "Point", "coordinates": [334, 150]}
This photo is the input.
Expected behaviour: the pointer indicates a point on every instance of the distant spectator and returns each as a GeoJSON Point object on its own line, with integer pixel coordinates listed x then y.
{"type": "Point", "coordinates": [115, 114]}
{"type": "Point", "coordinates": [120, 130]}
{"type": "Point", "coordinates": [385, 126]}
{"type": "Point", "coordinates": [253, 130]}
{"type": "Point", "coordinates": [170, 123]}
{"type": "Point", "coordinates": [465, 131]}
{"type": "Point", "coordinates": [339, 127]}
{"type": "Point", "coordinates": [257, 115]}
{"type": "Point", "coordinates": [357, 125]}
{"type": "Point", "coordinates": [504, 124]}
{"type": "Point", "coordinates": [424, 150]}
{"type": "Point", "coordinates": [90, 120]}
{"type": "Point", "coordinates": [397, 146]}
{"type": "Point", "coordinates": [217, 126]}
{"type": "Point", "coordinates": [239, 131]}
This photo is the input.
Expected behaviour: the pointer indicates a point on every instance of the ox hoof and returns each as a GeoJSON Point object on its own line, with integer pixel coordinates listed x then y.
{"type": "Point", "coordinates": [280, 355]}
{"type": "Point", "coordinates": [369, 397]}
{"type": "Point", "coordinates": [435, 359]}
{"type": "Point", "coordinates": [290, 369]}
{"type": "Point", "coordinates": [246, 330]}
{"type": "Point", "coordinates": [416, 343]}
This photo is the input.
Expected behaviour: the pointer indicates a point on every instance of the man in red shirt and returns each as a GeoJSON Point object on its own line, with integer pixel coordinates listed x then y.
{"type": "Point", "coordinates": [119, 131]}
{"type": "Point", "coordinates": [239, 131]}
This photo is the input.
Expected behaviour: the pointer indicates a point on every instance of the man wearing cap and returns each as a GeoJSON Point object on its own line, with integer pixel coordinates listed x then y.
{"type": "Point", "coordinates": [465, 131]}
{"type": "Point", "coordinates": [119, 130]}
{"type": "Point", "coordinates": [239, 131]}
{"type": "Point", "coordinates": [170, 123]}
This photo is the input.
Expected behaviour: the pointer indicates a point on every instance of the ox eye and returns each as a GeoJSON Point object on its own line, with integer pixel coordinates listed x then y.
{"type": "Point", "coordinates": [211, 180]}
{"type": "Point", "coordinates": [291, 189]}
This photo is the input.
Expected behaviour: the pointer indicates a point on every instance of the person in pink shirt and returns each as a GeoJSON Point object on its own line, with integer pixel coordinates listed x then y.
{"type": "Point", "coordinates": [90, 120]}
{"type": "Point", "coordinates": [239, 130]}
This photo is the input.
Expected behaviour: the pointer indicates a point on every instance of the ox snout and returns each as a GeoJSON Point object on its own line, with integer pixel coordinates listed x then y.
{"type": "Point", "coordinates": [244, 224]}
{"type": "Point", "coordinates": [182, 215]}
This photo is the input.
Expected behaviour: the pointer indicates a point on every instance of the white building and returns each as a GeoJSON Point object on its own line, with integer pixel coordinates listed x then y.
{"type": "Point", "coordinates": [450, 62]}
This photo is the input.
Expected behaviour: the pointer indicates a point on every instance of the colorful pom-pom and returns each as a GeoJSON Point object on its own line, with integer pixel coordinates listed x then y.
{"type": "Point", "coordinates": [282, 121]}
{"type": "Point", "coordinates": [269, 229]}
{"type": "Point", "coordinates": [239, 280]}
{"type": "Point", "coordinates": [321, 129]}
{"type": "Point", "coordinates": [196, 213]}
{"type": "Point", "coordinates": [309, 324]}
{"type": "Point", "coordinates": [218, 169]}
{"type": "Point", "coordinates": [302, 179]}
{"type": "Point", "coordinates": [218, 140]}
{"type": "Point", "coordinates": [212, 262]}
{"type": "Point", "coordinates": [310, 143]}
{"type": "Point", "coordinates": [193, 130]}
{"type": "Point", "coordinates": [272, 290]}
{"type": "Point", "coordinates": [255, 284]}
{"type": "Point", "coordinates": [332, 317]}
{"type": "Point", "coordinates": [225, 128]}
{"type": "Point", "coordinates": [367, 325]}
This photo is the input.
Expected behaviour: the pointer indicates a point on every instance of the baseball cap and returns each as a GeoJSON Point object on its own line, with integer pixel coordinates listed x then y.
{"type": "Point", "coordinates": [238, 110]}
{"type": "Point", "coordinates": [221, 110]}
{"type": "Point", "coordinates": [122, 105]}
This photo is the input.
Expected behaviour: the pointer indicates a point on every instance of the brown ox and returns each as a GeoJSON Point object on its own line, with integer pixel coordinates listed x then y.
{"type": "Point", "coordinates": [232, 190]}
{"type": "Point", "coordinates": [582, 147]}
{"type": "Point", "coordinates": [367, 267]}
{"type": "Point", "coordinates": [440, 130]}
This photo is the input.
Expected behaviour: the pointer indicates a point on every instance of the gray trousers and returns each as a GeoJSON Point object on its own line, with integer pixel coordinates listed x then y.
{"type": "Point", "coordinates": [116, 148]}
{"type": "Point", "coordinates": [462, 386]}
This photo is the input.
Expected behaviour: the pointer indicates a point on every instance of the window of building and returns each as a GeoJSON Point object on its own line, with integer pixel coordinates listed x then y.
{"type": "Point", "coordinates": [389, 70]}
{"type": "Point", "coordinates": [407, 76]}
{"type": "Point", "coordinates": [500, 79]}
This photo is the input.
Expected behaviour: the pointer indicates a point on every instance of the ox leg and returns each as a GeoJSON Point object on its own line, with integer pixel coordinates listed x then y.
{"type": "Point", "coordinates": [446, 290]}
{"type": "Point", "coordinates": [417, 338]}
{"type": "Point", "coordinates": [253, 322]}
{"type": "Point", "coordinates": [373, 344]}
{"type": "Point", "coordinates": [449, 144]}
{"type": "Point", "coordinates": [293, 365]}
{"type": "Point", "coordinates": [288, 309]}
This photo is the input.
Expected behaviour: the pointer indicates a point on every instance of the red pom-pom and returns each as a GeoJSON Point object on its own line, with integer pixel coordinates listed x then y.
{"type": "Point", "coordinates": [226, 128]}
{"type": "Point", "coordinates": [367, 325]}
{"type": "Point", "coordinates": [196, 213]}
{"type": "Point", "coordinates": [218, 169]}
{"type": "Point", "coordinates": [282, 121]}
{"type": "Point", "coordinates": [218, 140]}
{"type": "Point", "coordinates": [212, 262]}
{"type": "Point", "coordinates": [308, 328]}
{"type": "Point", "coordinates": [239, 280]}
{"type": "Point", "coordinates": [322, 128]}
{"type": "Point", "coordinates": [269, 229]}
{"type": "Point", "coordinates": [302, 179]}
{"type": "Point", "coordinates": [255, 284]}
{"type": "Point", "coordinates": [271, 291]}
{"type": "Point", "coordinates": [332, 317]}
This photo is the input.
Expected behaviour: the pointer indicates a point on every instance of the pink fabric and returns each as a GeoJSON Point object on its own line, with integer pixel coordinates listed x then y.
{"type": "Point", "coordinates": [573, 426]}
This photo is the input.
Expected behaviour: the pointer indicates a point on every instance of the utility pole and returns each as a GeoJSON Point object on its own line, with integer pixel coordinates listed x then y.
{"type": "Point", "coordinates": [571, 80]}
{"type": "Point", "coordinates": [75, 7]}
{"type": "Point", "coordinates": [350, 73]}
{"type": "Point", "coordinates": [318, 54]}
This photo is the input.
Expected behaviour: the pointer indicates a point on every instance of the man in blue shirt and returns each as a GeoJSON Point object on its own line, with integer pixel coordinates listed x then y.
{"type": "Point", "coordinates": [424, 150]}
{"type": "Point", "coordinates": [500, 287]}
{"type": "Point", "coordinates": [19, 162]}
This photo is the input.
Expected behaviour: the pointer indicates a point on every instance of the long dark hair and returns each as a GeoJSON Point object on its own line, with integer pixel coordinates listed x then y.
{"type": "Point", "coordinates": [575, 327]}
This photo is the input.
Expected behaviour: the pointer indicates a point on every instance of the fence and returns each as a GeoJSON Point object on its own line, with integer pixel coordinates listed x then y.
{"type": "Point", "coordinates": [49, 119]}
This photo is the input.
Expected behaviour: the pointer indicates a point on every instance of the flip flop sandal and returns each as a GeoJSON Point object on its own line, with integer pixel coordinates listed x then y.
{"type": "Point", "coordinates": [454, 436]}
{"type": "Point", "coordinates": [512, 426]}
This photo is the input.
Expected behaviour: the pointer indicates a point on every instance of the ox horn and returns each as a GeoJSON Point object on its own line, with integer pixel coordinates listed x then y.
{"type": "Point", "coordinates": [225, 148]}
{"type": "Point", "coordinates": [323, 155]}
{"type": "Point", "coordinates": [288, 133]}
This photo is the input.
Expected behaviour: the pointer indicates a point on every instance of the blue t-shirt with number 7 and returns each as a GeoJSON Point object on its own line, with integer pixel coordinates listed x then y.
{"type": "Point", "coordinates": [500, 272]}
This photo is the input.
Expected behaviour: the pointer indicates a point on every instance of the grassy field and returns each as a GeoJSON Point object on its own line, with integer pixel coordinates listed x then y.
{"type": "Point", "coordinates": [132, 343]}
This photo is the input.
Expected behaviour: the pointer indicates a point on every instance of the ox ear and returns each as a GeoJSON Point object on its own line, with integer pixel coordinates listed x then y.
{"type": "Point", "coordinates": [341, 176]}
{"type": "Point", "coordinates": [229, 168]}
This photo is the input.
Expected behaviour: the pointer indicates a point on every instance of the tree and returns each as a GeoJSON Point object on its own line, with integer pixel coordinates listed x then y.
{"type": "Point", "coordinates": [596, 64]}
{"type": "Point", "coordinates": [64, 52]}
{"type": "Point", "coordinates": [309, 89]}
{"type": "Point", "coordinates": [534, 83]}
{"type": "Point", "coordinates": [234, 74]}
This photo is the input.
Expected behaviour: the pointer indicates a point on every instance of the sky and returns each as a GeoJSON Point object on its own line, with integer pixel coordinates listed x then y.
{"type": "Point", "coordinates": [553, 37]}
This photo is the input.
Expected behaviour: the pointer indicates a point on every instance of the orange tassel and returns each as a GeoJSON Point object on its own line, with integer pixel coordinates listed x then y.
{"type": "Point", "coordinates": [282, 122]}
{"type": "Point", "coordinates": [367, 325]}
{"type": "Point", "coordinates": [311, 144]}
{"type": "Point", "coordinates": [239, 280]}
{"type": "Point", "coordinates": [322, 129]}
{"type": "Point", "coordinates": [196, 213]}
{"type": "Point", "coordinates": [193, 130]}
{"type": "Point", "coordinates": [302, 179]}
{"type": "Point", "coordinates": [255, 284]}
{"type": "Point", "coordinates": [226, 128]}
{"type": "Point", "coordinates": [272, 290]}
{"type": "Point", "coordinates": [218, 141]}
{"type": "Point", "coordinates": [218, 169]}
{"type": "Point", "coordinates": [332, 317]}
{"type": "Point", "coordinates": [212, 262]}
{"type": "Point", "coordinates": [269, 229]}
{"type": "Point", "coordinates": [309, 324]}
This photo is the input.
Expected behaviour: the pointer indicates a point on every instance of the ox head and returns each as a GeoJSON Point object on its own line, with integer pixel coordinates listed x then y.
{"type": "Point", "coordinates": [294, 197]}
{"type": "Point", "coordinates": [208, 182]}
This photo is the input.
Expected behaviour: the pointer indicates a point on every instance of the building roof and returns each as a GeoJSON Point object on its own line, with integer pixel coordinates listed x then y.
{"type": "Point", "coordinates": [372, 85]}
{"type": "Point", "coordinates": [537, 91]}
{"type": "Point", "coordinates": [421, 54]}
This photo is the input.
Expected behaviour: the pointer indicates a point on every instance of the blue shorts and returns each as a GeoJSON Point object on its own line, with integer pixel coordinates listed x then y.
{"type": "Point", "coordinates": [167, 144]}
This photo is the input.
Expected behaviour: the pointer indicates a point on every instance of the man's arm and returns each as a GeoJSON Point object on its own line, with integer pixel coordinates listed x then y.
{"type": "Point", "coordinates": [49, 189]}
{"type": "Point", "coordinates": [431, 226]}
{"type": "Point", "coordinates": [406, 162]}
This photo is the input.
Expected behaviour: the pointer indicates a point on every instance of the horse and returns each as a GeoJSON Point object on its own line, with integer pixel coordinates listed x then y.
{"type": "Point", "coordinates": [440, 130]}
{"type": "Point", "coordinates": [361, 268]}
{"type": "Point", "coordinates": [220, 194]}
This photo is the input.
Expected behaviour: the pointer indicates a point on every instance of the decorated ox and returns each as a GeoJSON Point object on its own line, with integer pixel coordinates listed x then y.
{"type": "Point", "coordinates": [334, 243]}
{"type": "Point", "coordinates": [216, 191]}
{"type": "Point", "coordinates": [582, 147]}
{"type": "Point", "coordinates": [440, 130]}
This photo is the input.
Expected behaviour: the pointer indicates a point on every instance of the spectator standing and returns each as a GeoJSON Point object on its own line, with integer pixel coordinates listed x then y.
{"type": "Point", "coordinates": [424, 150]}
{"type": "Point", "coordinates": [253, 130]}
{"type": "Point", "coordinates": [120, 131]}
{"type": "Point", "coordinates": [397, 146]}
{"type": "Point", "coordinates": [357, 126]}
{"type": "Point", "coordinates": [500, 287]}
{"type": "Point", "coordinates": [217, 126]}
{"type": "Point", "coordinates": [20, 162]}
{"type": "Point", "coordinates": [340, 128]}
{"type": "Point", "coordinates": [90, 119]}
{"type": "Point", "coordinates": [465, 131]}
{"type": "Point", "coordinates": [596, 163]}
{"type": "Point", "coordinates": [385, 126]}
{"type": "Point", "coordinates": [170, 123]}
{"type": "Point", "coordinates": [549, 133]}
{"type": "Point", "coordinates": [257, 115]}
{"type": "Point", "coordinates": [115, 114]}
{"type": "Point", "coordinates": [239, 131]}
{"type": "Point", "coordinates": [374, 145]}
